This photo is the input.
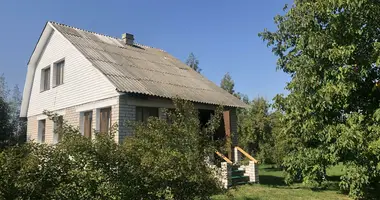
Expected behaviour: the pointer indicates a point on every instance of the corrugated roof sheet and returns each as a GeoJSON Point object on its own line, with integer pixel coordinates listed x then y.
{"type": "Point", "coordinates": [145, 70]}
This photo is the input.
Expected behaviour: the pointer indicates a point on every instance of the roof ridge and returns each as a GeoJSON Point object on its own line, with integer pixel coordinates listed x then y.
{"type": "Point", "coordinates": [135, 43]}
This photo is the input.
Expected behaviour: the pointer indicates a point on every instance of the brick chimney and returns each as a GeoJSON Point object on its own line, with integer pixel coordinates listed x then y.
{"type": "Point", "coordinates": [127, 38]}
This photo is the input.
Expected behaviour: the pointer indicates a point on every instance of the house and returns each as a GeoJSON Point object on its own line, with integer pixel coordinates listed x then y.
{"type": "Point", "coordinates": [93, 81]}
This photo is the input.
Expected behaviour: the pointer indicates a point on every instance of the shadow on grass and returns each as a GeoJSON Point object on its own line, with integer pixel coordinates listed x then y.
{"type": "Point", "coordinates": [271, 180]}
{"type": "Point", "coordinates": [272, 169]}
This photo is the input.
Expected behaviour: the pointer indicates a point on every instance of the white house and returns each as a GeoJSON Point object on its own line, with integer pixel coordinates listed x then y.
{"type": "Point", "coordinates": [93, 80]}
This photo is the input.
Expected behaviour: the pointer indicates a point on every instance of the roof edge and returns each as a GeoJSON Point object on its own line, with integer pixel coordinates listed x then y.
{"type": "Point", "coordinates": [100, 34]}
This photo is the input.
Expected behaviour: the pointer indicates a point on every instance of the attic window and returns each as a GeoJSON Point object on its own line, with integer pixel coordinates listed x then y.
{"type": "Point", "coordinates": [45, 79]}
{"type": "Point", "coordinates": [58, 73]}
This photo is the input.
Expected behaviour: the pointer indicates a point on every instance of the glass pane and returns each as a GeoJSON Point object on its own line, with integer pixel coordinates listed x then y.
{"type": "Point", "coordinates": [42, 130]}
{"type": "Point", "coordinates": [143, 113]}
{"type": "Point", "coordinates": [105, 120]}
{"type": "Point", "coordinates": [59, 127]}
{"type": "Point", "coordinates": [47, 79]}
{"type": "Point", "coordinates": [153, 112]}
{"type": "Point", "coordinates": [88, 124]}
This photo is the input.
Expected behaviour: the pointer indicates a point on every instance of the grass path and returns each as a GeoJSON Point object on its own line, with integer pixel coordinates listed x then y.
{"type": "Point", "coordinates": [272, 186]}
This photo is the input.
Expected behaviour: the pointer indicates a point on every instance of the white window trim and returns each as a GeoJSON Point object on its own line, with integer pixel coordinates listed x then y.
{"type": "Point", "coordinates": [97, 105]}
{"type": "Point", "coordinates": [54, 71]}
{"type": "Point", "coordinates": [42, 79]}
{"type": "Point", "coordinates": [41, 117]}
{"type": "Point", "coordinates": [98, 117]}
{"type": "Point", "coordinates": [39, 134]}
{"type": "Point", "coordinates": [58, 112]}
{"type": "Point", "coordinates": [81, 122]}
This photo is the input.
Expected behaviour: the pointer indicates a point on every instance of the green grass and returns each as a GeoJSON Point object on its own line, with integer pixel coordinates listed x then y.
{"type": "Point", "coordinates": [272, 186]}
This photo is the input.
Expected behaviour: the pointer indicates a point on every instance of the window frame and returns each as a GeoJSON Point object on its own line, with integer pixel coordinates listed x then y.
{"type": "Point", "coordinates": [45, 86]}
{"type": "Point", "coordinates": [61, 72]}
{"type": "Point", "coordinates": [83, 123]}
{"type": "Point", "coordinates": [101, 122]}
{"type": "Point", "coordinates": [145, 111]}
{"type": "Point", "coordinates": [41, 131]}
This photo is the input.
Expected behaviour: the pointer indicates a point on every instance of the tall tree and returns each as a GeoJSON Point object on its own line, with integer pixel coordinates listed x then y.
{"type": "Point", "coordinates": [13, 129]}
{"type": "Point", "coordinates": [242, 97]}
{"type": "Point", "coordinates": [5, 126]}
{"type": "Point", "coordinates": [331, 49]}
{"type": "Point", "coordinates": [193, 62]}
{"type": "Point", "coordinates": [254, 125]}
{"type": "Point", "coordinates": [4, 91]}
{"type": "Point", "coordinates": [227, 83]}
{"type": "Point", "coordinates": [19, 125]}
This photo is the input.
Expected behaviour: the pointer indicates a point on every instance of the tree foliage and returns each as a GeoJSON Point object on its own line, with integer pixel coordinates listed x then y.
{"type": "Point", "coordinates": [258, 129]}
{"type": "Point", "coordinates": [331, 50]}
{"type": "Point", "coordinates": [12, 128]}
{"type": "Point", "coordinates": [5, 126]}
{"type": "Point", "coordinates": [162, 160]}
{"type": "Point", "coordinates": [193, 62]}
{"type": "Point", "coordinates": [227, 83]}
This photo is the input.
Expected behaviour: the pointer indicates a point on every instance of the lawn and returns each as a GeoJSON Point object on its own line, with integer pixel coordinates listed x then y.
{"type": "Point", "coordinates": [272, 186]}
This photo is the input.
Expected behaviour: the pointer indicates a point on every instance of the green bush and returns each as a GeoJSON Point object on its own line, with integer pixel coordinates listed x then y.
{"type": "Point", "coordinates": [170, 153]}
{"type": "Point", "coordinates": [163, 160]}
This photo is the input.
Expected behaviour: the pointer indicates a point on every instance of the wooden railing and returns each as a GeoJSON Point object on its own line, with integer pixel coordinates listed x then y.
{"type": "Point", "coordinates": [246, 154]}
{"type": "Point", "coordinates": [223, 157]}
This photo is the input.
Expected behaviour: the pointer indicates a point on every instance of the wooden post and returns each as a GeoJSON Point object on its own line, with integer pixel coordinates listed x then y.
{"type": "Point", "coordinates": [227, 129]}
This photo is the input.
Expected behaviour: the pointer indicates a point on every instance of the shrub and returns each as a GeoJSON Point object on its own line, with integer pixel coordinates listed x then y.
{"type": "Point", "coordinates": [163, 160]}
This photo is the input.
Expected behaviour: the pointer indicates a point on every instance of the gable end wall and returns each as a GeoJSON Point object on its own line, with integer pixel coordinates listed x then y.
{"type": "Point", "coordinates": [82, 82]}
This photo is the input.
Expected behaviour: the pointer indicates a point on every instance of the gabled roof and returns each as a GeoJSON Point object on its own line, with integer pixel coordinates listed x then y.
{"type": "Point", "coordinates": [145, 70]}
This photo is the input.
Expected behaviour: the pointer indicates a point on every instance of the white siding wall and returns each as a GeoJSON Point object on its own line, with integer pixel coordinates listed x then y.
{"type": "Point", "coordinates": [82, 82]}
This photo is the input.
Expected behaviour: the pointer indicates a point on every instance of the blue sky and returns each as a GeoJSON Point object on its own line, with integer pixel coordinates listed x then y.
{"type": "Point", "coordinates": [222, 34]}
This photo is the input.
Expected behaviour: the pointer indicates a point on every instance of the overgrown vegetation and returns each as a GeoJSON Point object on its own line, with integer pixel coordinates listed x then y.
{"type": "Point", "coordinates": [162, 160]}
{"type": "Point", "coordinates": [331, 50]}
{"type": "Point", "coordinates": [12, 129]}
{"type": "Point", "coordinates": [258, 128]}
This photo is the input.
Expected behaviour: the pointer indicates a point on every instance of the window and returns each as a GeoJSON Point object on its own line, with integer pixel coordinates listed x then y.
{"type": "Point", "coordinates": [58, 73]}
{"type": "Point", "coordinates": [58, 125]}
{"type": "Point", "coordinates": [45, 79]}
{"type": "Point", "coordinates": [87, 124]}
{"type": "Point", "coordinates": [143, 113]}
{"type": "Point", "coordinates": [105, 120]}
{"type": "Point", "coordinates": [41, 130]}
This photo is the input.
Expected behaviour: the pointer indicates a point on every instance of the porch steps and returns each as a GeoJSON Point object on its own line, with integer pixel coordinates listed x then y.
{"type": "Point", "coordinates": [238, 177]}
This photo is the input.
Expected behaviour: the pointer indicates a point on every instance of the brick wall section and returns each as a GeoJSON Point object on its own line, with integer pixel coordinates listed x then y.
{"type": "Point", "coordinates": [121, 113]}
{"type": "Point", "coordinates": [161, 113]}
{"type": "Point", "coordinates": [115, 120]}
{"type": "Point", "coordinates": [127, 113]}
{"type": "Point", "coordinates": [252, 170]}
{"type": "Point", "coordinates": [72, 117]}
{"type": "Point", "coordinates": [226, 175]}
{"type": "Point", "coordinates": [32, 129]}
{"type": "Point", "coordinates": [49, 131]}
